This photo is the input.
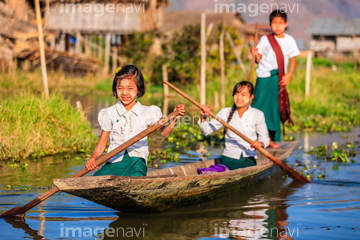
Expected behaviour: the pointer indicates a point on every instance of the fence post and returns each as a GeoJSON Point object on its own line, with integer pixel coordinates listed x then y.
{"type": "Point", "coordinates": [308, 74]}
{"type": "Point", "coordinates": [166, 90]}
{"type": "Point", "coordinates": [107, 53]}
{"type": "Point", "coordinates": [203, 60]}
{"type": "Point", "coordinates": [42, 51]}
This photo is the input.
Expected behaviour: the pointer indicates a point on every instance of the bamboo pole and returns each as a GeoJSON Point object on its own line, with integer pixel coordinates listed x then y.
{"type": "Point", "coordinates": [222, 68]}
{"type": "Point", "coordinates": [210, 28]}
{"type": "Point", "coordinates": [203, 60]}
{"type": "Point", "coordinates": [236, 53]}
{"type": "Point", "coordinates": [42, 51]}
{"type": "Point", "coordinates": [166, 90]}
{"type": "Point", "coordinates": [77, 43]}
{"type": "Point", "coordinates": [253, 57]}
{"type": "Point", "coordinates": [115, 59]}
{"type": "Point", "coordinates": [308, 74]}
{"type": "Point", "coordinates": [354, 39]}
{"type": "Point", "coordinates": [216, 101]}
{"type": "Point", "coordinates": [107, 53]}
{"type": "Point", "coordinates": [47, 15]}
{"type": "Point", "coordinates": [165, 78]}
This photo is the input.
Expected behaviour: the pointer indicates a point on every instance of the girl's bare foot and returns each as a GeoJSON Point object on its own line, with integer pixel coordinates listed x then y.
{"type": "Point", "coordinates": [273, 144]}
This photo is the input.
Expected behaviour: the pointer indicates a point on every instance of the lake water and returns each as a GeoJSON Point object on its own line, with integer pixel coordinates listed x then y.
{"type": "Point", "coordinates": [275, 208]}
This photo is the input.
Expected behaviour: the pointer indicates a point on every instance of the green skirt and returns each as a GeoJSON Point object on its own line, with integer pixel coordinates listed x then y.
{"type": "Point", "coordinates": [127, 167]}
{"type": "Point", "coordinates": [233, 163]}
{"type": "Point", "coordinates": [266, 99]}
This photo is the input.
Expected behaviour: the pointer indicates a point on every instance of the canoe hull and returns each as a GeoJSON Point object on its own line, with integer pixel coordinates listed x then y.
{"type": "Point", "coordinates": [159, 193]}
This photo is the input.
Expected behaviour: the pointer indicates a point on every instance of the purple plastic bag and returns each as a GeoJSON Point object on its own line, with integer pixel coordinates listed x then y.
{"type": "Point", "coordinates": [212, 169]}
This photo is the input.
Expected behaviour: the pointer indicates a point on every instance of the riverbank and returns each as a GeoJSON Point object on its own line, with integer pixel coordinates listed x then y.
{"type": "Point", "coordinates": [333, 105]}
{"type": "Point", "coordinates": [33, 127]}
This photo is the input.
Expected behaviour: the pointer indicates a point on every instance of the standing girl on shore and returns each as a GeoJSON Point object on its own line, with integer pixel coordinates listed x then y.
{"type": "Point", "coordinates": [123, 121]}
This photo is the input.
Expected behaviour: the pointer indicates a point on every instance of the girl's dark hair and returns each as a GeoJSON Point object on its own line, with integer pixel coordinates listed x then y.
{"type": "Point", "coordinates": [130, 71]}
{"type": "Point", "coordinates": [238, 87]}
{"type": "Point", "coordinates": [278, 13]}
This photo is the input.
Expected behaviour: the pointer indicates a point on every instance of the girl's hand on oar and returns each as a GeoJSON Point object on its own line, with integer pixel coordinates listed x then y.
{"type": "Point", "coordinates": [91, 164]}
{"type": "Point", "coordinates": [256, 144]}
{"type": "Point", "coordinates": [204, 112]}
{"type": "Point", "coordinates": [254, 51]}
{"type": "Point", "coordinates": [181, 109]}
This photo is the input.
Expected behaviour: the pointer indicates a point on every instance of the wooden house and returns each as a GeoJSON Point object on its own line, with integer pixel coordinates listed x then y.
{"type": "Point", "coordinates": [69, 24]}
{"type": "Point", "coordinates": [103, 16]}
{"type": "Point", "coordinates": [333, 37]}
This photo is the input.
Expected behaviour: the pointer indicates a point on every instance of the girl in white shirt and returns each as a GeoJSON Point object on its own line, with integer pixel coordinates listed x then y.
{"type": "Point", "coordinates": [249, 121]}
{"type": "Point", "coordinates": [267, 83]}
{"type": "Point", "coordinates": [123, 121]}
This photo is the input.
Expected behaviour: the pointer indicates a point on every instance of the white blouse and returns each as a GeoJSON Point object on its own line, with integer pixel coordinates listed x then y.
{"type": "Point", "coordinates": [124, 125]}
{"type": "Point", "coordinates": [268, 61]}
{"type": "Point", "coordinates": [251, 124]}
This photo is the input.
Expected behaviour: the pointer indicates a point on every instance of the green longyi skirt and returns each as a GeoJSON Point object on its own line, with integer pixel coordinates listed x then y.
{"type": "Point", "coordinates": [266, 99]}
{"type": "Point", "coordinates": [233, 163]}
{"type": "Point", "coordinates": [127, 167]}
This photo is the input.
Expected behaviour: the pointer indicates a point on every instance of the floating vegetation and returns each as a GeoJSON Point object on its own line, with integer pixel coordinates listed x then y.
{"type": "Point", "coordinates": [163, 156]}
{"type": "Point", "coordinates": [335, 152]}
{"type": "Point", "coordinates": [324, 153]}
{"type": "Point", "coordinates": [289, 138]}
{"type": "Point", "coordinates": [185, 135]}
{"type": "Point", "coordinates": [310, 171]}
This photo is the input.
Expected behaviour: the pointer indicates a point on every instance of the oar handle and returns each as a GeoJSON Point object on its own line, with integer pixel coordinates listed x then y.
{"type": "Point", "coordinates": [253, 57]}
{"type": "Point", "coordinates": [290, 171]}
{"type": "Point", "coordinates": [20, 212]}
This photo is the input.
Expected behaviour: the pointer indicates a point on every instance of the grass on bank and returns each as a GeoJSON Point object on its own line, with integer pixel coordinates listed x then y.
{"type": "Point", "coordinates": [33, 126]}
{"type": "Point", "coordinates": [333, 104]}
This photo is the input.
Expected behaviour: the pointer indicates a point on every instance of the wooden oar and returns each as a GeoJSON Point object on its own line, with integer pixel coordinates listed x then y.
{"type": "Point", "coordinates": [253, 57]}
{"type": "Point", "coordinates": [19, 212]}
{"type": "Point", "coordinates": [287, 169]}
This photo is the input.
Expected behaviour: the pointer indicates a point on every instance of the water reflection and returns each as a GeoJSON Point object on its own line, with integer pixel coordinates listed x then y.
{"type": "Point", "coordinates": [257, 212]}
{"type": "Point", "coordinates": [21, 224]}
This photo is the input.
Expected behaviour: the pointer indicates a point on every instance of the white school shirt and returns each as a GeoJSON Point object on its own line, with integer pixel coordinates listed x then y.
{"type": "Point", "coordinates": [268, 61]}
{"type": "Point", "coordinates": [124, 125]}
{"type": "Point", "coordinates": [251, 124]}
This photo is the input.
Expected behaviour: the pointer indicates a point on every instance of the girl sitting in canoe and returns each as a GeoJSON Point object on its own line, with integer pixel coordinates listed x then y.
{"type": "Point", "coordinates": [249, 121]}
{"type": "Point", "coordinates": [123, 121]}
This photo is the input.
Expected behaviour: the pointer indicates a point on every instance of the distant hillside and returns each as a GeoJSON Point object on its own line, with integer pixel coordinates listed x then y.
{"type": "Point", "coordinates": [302, 11]}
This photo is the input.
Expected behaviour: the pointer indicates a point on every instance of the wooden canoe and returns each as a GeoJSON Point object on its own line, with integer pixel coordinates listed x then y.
{"type": "Point", "coordinates": [169, 188]}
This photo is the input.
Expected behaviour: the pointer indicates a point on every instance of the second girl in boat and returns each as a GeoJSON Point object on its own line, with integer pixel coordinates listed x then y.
{"type": "Point", "coordinates": [249, 121]}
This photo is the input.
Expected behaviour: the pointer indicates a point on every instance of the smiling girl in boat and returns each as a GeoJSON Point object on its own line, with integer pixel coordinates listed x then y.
{"type": "Point", "coordinates": [249, 121]}
{"type": "Point", "coordinates": [123, 121]}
